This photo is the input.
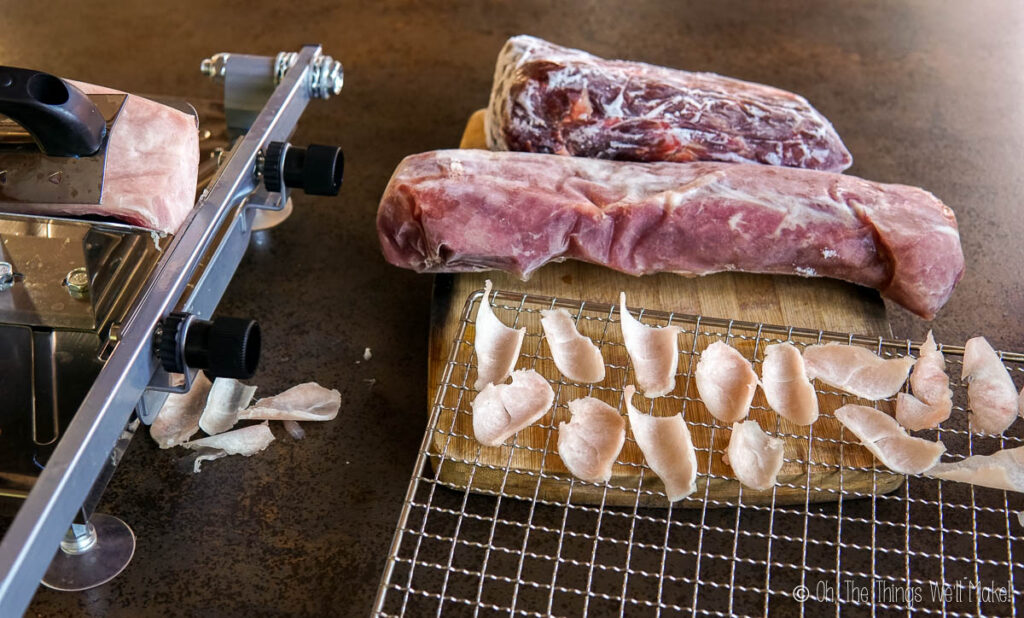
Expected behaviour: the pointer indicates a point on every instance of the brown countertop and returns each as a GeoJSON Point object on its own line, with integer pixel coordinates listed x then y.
{"type": "Point", "coordinates": [923, 93]}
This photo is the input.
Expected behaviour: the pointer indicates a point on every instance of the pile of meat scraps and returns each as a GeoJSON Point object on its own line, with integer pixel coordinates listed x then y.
{"type": "Point", "coordinates": [216, 407]}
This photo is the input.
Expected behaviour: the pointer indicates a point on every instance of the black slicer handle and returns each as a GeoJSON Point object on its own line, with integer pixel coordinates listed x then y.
{"type": "Point", "coordinates": [62, 120]}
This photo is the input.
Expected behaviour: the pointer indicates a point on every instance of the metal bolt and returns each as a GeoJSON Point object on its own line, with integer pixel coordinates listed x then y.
{"type": "Point", "coordinates": [6, 276]}
{"type": "Point", "coordinates": [77, 283]}
{"type": "Point", "coordinates": [259, 166]}
{"type": "Point", "coordinates": [327, 77]}
{"type": "Point", "coordinates": [217, 154]}
{"type": "Point", "coordinates": [214, 66]}
{"type": "Point", "coordinates": [283, 62]}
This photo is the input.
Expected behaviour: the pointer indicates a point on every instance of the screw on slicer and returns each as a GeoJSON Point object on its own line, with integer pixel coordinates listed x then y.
{"type": "Point", "coordinates": [326, 78]}
{"type": "Point", "coordinates": [259, 165]}
{"type": "Point", "coordinates": [283, 62]}
{"type": "Point", "coordinates": [215, 66]}
{"type": "Point", "coordinates": [7, 276]}
{"type": "Point", "coordinates": [217, 154]}
{"type": "Point", "coordinates": [77, 283]}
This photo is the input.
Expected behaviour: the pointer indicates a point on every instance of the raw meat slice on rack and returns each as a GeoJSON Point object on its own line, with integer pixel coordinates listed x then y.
{"type": "Point", "coordinates": [667, 446]}
{"type": "Point", "coordinates": [653, 351]}
{"type": "Point", "coordinates": [575, 356]}
{"type": "Point", "coordinates": [726, 382]}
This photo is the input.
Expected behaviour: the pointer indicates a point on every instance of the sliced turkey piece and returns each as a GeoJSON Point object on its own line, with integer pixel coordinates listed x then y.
{"type": "Point", "coordinates": [575, 356]}
{"type": "Point", "coordinates": [726, 382]}
{"type": "Point", "coordinates": [890, 443]}
{"type": "Point", "coordinates": [857, 370]}
{"type": "Point", "coordinates": [932, 400]}
{"type": "Point", "coordinates": [305, 402]}
{"type": "Point", "coordinates": [589, 443]}
{"type": "Point", "coordinates": [225, 402]}
{"type": "Point", "coordinates": [666, 444]}
{"type": "Point", "coordinates": [502, 410]}
{"type": "Point", "coordinates": [754, 456]}
{"type": "Point", "coordinates": [786, 386]}
{"type": "Point", "coordinates": [991, 396]}
{"type": "Point", "coordinates": [653, 351]}
{"type": "Point", "coordinates": [1003, 469]}
{"type": "Point", "coordinates": [245, 441]}
{"type": "Point", "coordinates": [178, 419]}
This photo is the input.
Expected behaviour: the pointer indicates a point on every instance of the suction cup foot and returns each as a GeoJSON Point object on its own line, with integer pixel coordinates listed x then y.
{"type": "Point", "coordinates": [91, 554]}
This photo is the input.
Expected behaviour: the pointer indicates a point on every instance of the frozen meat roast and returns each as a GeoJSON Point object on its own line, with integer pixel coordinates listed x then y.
{"type": "Point", "coordinates": [475, 210]}
{"type": "Point", "coordinates": [552, 99]}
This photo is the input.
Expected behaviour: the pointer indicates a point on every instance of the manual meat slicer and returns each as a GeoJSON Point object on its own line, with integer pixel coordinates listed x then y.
{"type": "Point", "coordinates": [101, 320]}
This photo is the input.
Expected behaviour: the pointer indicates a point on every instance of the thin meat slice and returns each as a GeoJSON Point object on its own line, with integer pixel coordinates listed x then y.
{"type": "Point", "coordinates": [890, 443]}
{"type": "Point", "coordinates": [497, 346]}
{"type": "Point", "coordinates": [178, 419]}
{"type": "Point", "coordinates": [929, 379]}
{"type": "Point", "coordinates": [991, 396]}
{"type": "Point", "coordinates": [225, 402]}
{"type": "Point", "coordinates": [754, 456]}
{"type": "Point", "coordinates": [305, 402]}
{"type": "Point", "coordinates": [1003, 469]}
{"type": "Point", "coordinates": [548, 98]}
{"type": "Point", "coordinates": [589, 443]}
{"type": "Point", "coordinates": [575, 356]}
{"type": "Point", "coordinates": [857, 370]}
{"type": "Point", "coordinates": [492, 424]}
{"type": "Point", "coordinates": [502, 410]}
{"type": "Point", "coordinates": [245, 441]}
{"type": "Point", "coordinates": [726, 382]}
{"type": "Point", "coordinates": [786, 386]}
{"type": "Point", "coordinates": [475, 210]}
{"type": "Point", "coordinates": [666, 444]}
{"type": "Point", "coordinates": [915, 414]}
{"type": "Point", "coordinates": [932, 400]}
{"type": "Point", "coordinates": [653, 351]}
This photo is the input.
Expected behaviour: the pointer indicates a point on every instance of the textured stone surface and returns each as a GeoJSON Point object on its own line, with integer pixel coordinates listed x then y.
{"type": "Point", "coordinates": [923, 93]}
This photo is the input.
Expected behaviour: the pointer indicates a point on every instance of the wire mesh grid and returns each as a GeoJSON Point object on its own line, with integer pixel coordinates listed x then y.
{"type": "Point", "coordinates": [507, 531]}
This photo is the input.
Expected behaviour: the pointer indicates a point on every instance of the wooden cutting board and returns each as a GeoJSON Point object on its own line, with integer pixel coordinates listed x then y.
{"type": "Point", "coordinates": [773, 299]}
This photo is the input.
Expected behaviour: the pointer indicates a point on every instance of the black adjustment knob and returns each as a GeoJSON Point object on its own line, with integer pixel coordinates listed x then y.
{"type": "Point", "coordinates": [317, 169]}
{"type": "Point", "coordinates": [170, 342]}
{"type": "Point", "coordinates": [273, 166]}
{"type": "Point", "coordinates": [224, 347]}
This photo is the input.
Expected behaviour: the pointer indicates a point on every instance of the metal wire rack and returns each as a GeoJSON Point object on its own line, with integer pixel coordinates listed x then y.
{"type": "Point", "coordinates": [507, 531]}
